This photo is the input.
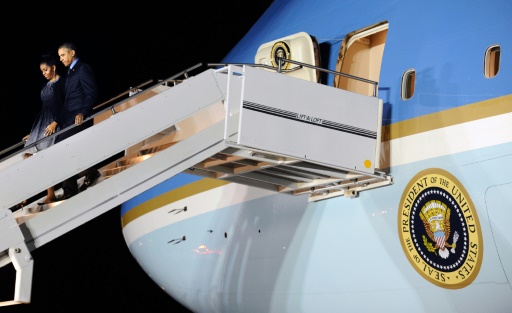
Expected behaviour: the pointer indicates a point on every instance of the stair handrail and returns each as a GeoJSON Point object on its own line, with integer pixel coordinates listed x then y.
{"type": "Point", "coordinates": [99, 109]}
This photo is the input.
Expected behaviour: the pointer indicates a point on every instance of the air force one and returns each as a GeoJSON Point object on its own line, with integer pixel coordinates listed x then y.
{"type": "Point", "coordinates": [345, 156]}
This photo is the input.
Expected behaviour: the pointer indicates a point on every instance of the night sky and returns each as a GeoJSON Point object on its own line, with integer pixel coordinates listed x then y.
{"type": "Point", "coordinates": [90, 269]}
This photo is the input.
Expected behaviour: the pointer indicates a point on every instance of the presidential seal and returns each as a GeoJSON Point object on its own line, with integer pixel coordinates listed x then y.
{"type": "Point", "coordinates": [280, 50]}
{"type": "Point", "coordinates": [439, 229]}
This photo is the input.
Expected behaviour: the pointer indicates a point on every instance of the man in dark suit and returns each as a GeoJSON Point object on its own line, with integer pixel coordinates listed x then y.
{"type": "Point", "coordinates": [81, 93]}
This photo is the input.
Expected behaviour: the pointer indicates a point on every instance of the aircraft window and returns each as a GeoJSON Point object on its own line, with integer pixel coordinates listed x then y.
{"type": "Point", "coordinates": [408, 82]}
{"type": "Point", "coordinates": [492, 61]}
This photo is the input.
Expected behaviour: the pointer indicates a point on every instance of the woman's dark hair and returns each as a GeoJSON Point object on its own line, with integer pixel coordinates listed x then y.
{"type": "Point", "coordinates": [48, 60]}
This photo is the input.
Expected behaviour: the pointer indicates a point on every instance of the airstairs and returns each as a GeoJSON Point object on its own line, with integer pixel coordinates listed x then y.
{"type": "Point", "coordinates": [236, 123]}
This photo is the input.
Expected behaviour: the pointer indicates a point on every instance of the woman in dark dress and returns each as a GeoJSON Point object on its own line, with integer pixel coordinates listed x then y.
{"type": "Point", "coordinates": [49, 118]}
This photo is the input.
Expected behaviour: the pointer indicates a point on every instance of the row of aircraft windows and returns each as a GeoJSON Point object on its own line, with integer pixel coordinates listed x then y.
{"type": "Point", "coordinates": [491, 69]}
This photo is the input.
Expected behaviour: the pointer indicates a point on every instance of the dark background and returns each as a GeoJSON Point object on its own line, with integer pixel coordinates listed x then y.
{"type": "Point", "coordinates": [90, 268]}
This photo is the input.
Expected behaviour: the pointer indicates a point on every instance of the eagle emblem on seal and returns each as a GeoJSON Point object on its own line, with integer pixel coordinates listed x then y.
{"type": "Point", "coordinates": [435, 216]}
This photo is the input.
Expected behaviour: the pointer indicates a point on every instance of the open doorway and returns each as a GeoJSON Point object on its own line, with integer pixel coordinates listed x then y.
{"type": "Point", "coordinates": [361, 55]}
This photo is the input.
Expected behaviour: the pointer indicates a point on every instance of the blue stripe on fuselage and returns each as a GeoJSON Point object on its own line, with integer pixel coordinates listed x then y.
{"type": "Point", "coordinates": [170, 184]}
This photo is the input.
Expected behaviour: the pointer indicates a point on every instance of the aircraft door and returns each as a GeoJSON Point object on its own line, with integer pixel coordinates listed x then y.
{"type": "Point", "coordinates": [300, 47]}
{"type": "Point", "coordinates": [361, 55]}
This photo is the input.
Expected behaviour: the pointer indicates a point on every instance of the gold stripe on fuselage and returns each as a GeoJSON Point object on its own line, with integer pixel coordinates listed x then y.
{"type": "Point", "coordinates": [454, 116]}
{"type": "Point", "coordinates": [171, 196]}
